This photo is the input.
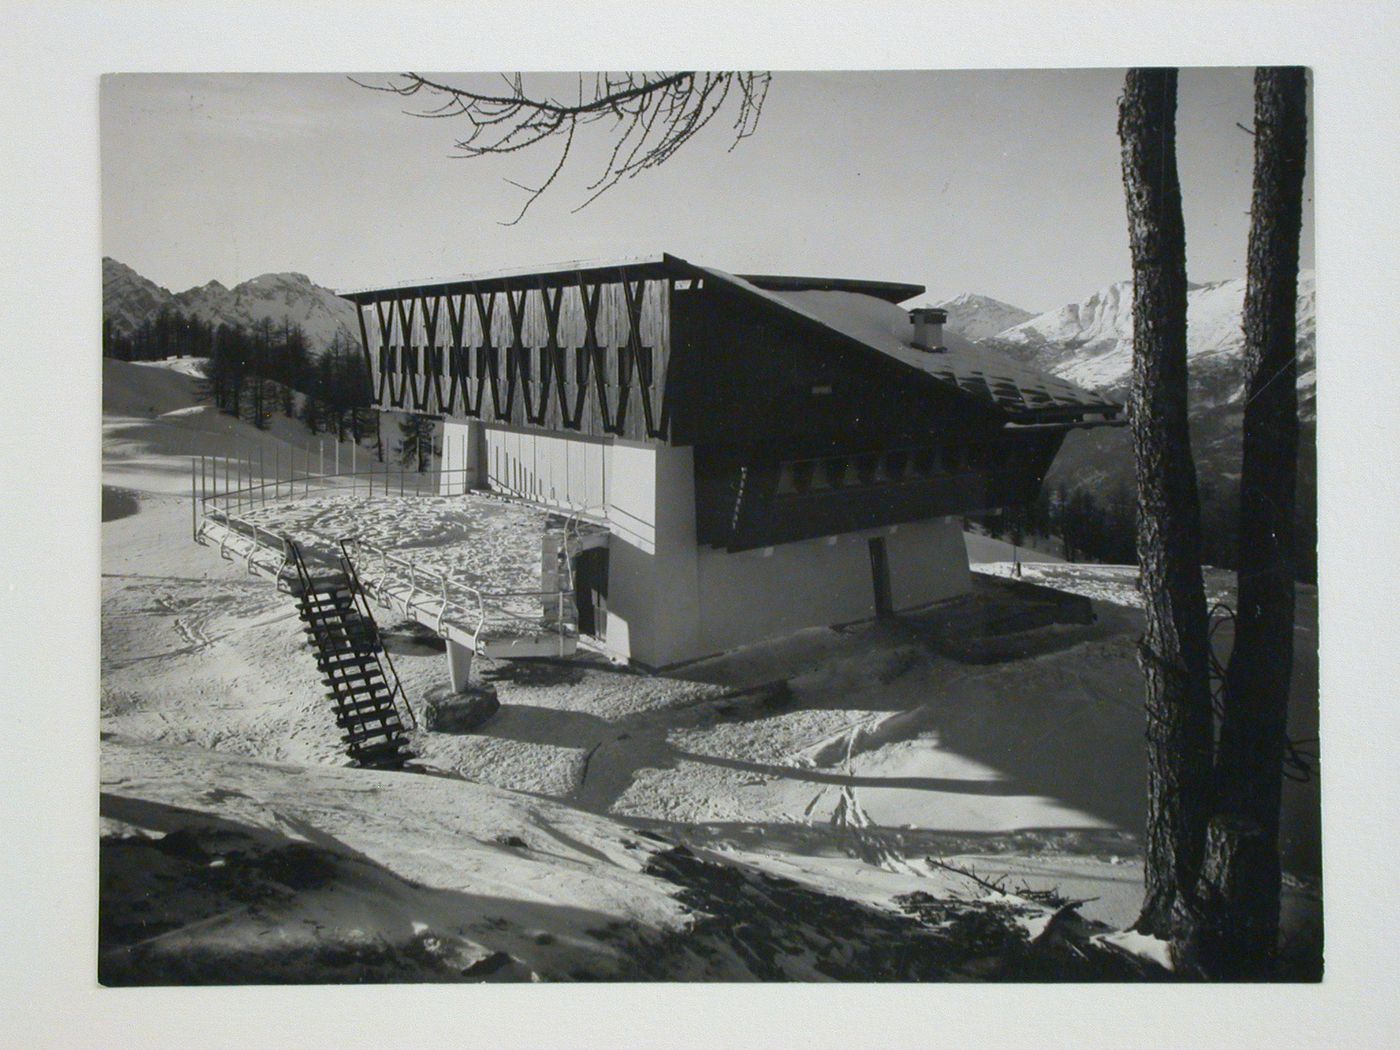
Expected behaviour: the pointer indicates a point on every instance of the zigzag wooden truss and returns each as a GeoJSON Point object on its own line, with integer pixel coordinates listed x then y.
{"type": "Point", "coordinates": [588, 354]}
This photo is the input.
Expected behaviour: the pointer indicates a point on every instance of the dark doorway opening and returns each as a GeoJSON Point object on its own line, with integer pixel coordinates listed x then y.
{"type": "Point", "coordinates": [591, 591]}
{"type": "Point", "coordinates": [880, 574]}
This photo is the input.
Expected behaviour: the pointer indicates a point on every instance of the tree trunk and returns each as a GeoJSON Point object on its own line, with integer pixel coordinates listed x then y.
{"type": "Point", "coordinates": [1253, 731]}
{"type": "Point", "coordinates": [1173, 651]}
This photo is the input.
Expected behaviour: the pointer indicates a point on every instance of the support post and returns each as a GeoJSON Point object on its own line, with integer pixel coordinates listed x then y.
{"type": "Point", "coordinates": [459, 665]}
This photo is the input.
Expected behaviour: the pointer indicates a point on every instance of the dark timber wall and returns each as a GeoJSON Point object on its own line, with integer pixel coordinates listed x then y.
{"type": "Point", "coordinates": [742, 374]}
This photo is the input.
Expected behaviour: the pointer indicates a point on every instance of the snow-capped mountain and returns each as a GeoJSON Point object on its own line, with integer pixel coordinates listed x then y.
{"type": "Point", "coordinates": [979, 316]}
{"type": "Point", "coordinates": [128, 299]}
{"type": "Point", "coordinates": [1091, 342]}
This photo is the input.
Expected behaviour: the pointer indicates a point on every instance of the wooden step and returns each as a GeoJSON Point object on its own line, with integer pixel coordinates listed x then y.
{"type": "Point", "coordinates": [389, 754]}
{"type": "Point", "coordinates": [369, 689]}
{"type": "Point", "coordinates": [368, 678]}
{"type": "Point", "coordinates": [325, 583]}
{"type": "Point", "coordinates": [340, 597]}
{"type": "Point", "coordinates": [382, 758]}
{"type": "Point", "coordinates": [356, 735]}
{"type": "Point", "coordinates": [348, 628]}
{"type": "Point", "coordinates": [349, 650]}
{"type": "Point", "coordinates": [360, 662]}
{"type": "Point", "coordinates": [389, 719]}
{"type": "Point", "coordinates": [364, 711]}
{"type": "Point", "coordinates": [373, 707]}
{"type": "Point", "coordinates": [324, 606]}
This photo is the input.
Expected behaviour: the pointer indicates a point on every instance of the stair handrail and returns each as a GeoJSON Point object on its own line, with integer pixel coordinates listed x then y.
{"type": "Point", "coordinates": [362, 604]}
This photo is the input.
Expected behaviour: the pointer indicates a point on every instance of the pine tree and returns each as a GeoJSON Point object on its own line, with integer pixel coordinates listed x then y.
{"type": "Point", "coordinates": [417, 444]}
{"type": "Point", "coordinates": [1240, 897]}
{"type": "Point", "coordinates": [1173, 650]}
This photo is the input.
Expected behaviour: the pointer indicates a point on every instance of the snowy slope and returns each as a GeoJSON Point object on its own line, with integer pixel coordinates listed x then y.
{"type": "Point", "coordinates": [976, 317]}
{"type": "Point", "coordinates": [153, 421]}
{"type": "Point", "coordinates": [128, 299]}
{"type": "Point", "coordinates": [1091, 342]}
{"type": "Point", "coordinates": [543, 845]}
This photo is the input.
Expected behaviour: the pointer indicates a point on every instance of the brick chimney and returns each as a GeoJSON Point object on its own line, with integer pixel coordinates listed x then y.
{"type": "Point", "coordinates": [928, 328]}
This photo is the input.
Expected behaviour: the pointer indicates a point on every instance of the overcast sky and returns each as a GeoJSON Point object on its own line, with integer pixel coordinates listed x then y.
{"type": "Point", "coordinates": [1004, 183]}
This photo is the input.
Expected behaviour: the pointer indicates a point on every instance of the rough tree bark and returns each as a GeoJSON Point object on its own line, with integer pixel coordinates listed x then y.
{"type": "Point", "coordinates": [1242, 911]}
{"type": "Point", "coordinates": [1173, 650]}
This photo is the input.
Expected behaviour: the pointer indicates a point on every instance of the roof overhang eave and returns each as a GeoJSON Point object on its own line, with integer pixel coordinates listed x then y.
{"type": "Point", "coordinates": [1069, 420]}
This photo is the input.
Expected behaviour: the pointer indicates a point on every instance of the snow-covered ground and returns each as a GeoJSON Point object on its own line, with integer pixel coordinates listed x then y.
{"type": "Point", "coordinates": [879, 753]}
{"type": "Point", "coordinates": [475, 544]}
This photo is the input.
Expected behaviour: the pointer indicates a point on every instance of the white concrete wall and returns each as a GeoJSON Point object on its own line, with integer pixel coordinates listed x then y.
{"type": "Point", "coordinates": [753, 595]}
{"type": "Point", "coordinates": [653, 587]}
{"type": "Point", "coordinates": [669, 600]}
{"type": "Point", "coordinates": [928, 562]}
{"type": "Point", "coordinates": [461, 457]}
{"type": "Point", "coordinates": [565, 472]}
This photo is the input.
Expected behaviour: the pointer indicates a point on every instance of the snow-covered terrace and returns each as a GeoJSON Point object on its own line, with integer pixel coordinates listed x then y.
{"type": "Point", "coordinates": [469, 566]}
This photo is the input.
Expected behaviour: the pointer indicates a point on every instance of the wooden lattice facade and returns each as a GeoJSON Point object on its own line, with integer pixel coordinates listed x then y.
{"type": "Point", "coordinates": [583, 352]}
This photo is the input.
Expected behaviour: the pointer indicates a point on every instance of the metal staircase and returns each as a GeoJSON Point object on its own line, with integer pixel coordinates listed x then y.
{"type": "Point", "coordinates": [360, 680]}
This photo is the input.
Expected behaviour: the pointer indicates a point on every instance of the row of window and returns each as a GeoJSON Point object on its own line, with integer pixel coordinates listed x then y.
{"type": "Point", "coordinates": [888, 468]}
{"type": "Point", "coordinates": [527, 361]}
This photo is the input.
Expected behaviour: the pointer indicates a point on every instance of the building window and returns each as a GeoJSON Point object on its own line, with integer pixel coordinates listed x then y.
{"type": "Point", "coordinates": [802, 476]}
{"type": "Point", "coordinates": [896, 463]}
{"type": "Point", "coordinates": [785, 482]}
{"type": "Point", "coordinates": [837, 471]}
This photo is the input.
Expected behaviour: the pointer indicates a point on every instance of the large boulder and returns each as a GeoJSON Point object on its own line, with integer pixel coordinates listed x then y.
{"type": "Point", "coordinates": [460, 712]}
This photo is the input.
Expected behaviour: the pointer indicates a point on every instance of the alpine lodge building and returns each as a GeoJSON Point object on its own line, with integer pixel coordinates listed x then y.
{"type": "Point", "coordinates": [738, 457]}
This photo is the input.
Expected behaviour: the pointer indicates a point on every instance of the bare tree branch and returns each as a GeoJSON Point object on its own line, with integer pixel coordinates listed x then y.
{"type": "Point", "coordinates": [652, 115]}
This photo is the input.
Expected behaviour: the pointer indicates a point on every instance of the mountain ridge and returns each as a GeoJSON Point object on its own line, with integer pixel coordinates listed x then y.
{"type": "Point", "coordinates": [130, 299]}
{"type": "Point", "coordinates": [1090, 342]}
{"type": "Point", "coordinates": [976, 316]}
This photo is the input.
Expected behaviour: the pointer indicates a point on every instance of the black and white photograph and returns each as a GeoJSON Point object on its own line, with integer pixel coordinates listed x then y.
{"type": "Point", "coordinates": [634, 618]}
{"type": "Point", "coordinates": [854, 522]}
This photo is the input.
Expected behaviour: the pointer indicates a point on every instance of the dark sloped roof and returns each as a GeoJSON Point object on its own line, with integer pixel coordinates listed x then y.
{"type": "Point", "coordinates": [1025, 394]}
{"type": "Point", "coordinates": [888, 290]}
